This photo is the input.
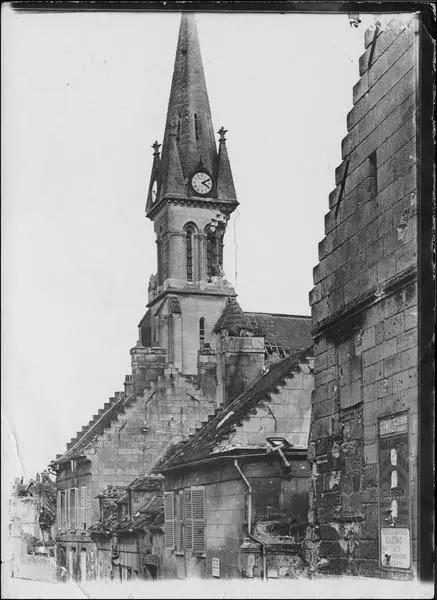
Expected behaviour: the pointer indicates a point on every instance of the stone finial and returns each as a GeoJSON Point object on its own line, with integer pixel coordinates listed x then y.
{"type": "Point", "coordinates": [156, 147]}
{"type": "Point", "coordinates": [222, 131]}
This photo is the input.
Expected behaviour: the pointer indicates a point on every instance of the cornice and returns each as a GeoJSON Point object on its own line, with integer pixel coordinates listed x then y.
{"type": "Point", "coordinates": [226, 206]}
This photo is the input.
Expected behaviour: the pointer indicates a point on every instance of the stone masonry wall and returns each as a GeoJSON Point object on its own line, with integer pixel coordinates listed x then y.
{"type": "Point", "coordinates": [364, 309]}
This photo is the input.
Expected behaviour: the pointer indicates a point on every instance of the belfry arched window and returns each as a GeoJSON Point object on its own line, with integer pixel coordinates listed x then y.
{"type": "Point", "coordinates": [214, 251]}
{"type": "Point", "coordinates": [202, 331]}
{"type": "Point", "coordinates": [189, 237]}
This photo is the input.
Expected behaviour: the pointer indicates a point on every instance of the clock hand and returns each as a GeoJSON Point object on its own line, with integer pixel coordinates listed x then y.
{"type": "Point", "coordinates": [206, 182]}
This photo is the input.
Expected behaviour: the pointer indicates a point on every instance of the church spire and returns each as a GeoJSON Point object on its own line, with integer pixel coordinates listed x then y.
{"type": "Point", "coordinates": [188, 105]}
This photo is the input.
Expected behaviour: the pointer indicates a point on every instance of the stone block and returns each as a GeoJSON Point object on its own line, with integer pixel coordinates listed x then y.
{"type": "Point", "coordinates": [392, 365]}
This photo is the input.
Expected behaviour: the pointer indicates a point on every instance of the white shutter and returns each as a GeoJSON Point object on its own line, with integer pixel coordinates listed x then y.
{"type": "Point", "coordinates": [198, 512]}
{"type": "Point", "coordinates": [188, 520]}
{"type": "Point", "coordinates": [169, 519]}
{"type": "Point", "coordinates": [58, 511]}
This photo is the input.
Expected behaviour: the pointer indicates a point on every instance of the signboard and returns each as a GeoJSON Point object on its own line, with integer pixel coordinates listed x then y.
{"type": "Point", "coordinates": [215, 566]}
{"type": "Point", "coordinates": [394, 490]}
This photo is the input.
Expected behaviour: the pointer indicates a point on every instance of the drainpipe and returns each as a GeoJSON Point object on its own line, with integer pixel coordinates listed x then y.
{"type": "Point", "coordinates": [249, 518]}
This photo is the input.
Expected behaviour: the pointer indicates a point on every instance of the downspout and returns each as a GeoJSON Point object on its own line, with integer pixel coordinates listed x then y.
{"type": "Point", "coordinates": [249, 518]}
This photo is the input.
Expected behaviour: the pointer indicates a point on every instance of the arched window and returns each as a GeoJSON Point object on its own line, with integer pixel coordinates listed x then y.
{"type": "Point", "coordinates": [189, 252]}
{"type": "Point", "coordinates": [214, 251]}
{"type": "Point", "coordinates": [202, 331]}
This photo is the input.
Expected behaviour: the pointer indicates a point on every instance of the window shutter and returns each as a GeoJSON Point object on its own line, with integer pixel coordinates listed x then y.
{"type": "Point", "coordinates": [58, 511]}
{"type": "Point", "coordinates": [198, 512]}
{"type": "Point", "coordinates": [83, 507]}
{"type": "Point", "coordinates": [188, 521]}
{"type": "Point", "coordinates": [76, 509]}
{"type": "Point", "coordinates": [169, 518]}
{"type": "Point", "coordinates": [177, 520]}
{"type": "Point", "coordinates": [67, 509]}
{"type": "Point", "coordinates": [181, 520]}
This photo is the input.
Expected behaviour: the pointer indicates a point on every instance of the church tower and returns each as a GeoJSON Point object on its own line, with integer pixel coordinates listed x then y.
{"type": "Point", "coordinates": [190, 198]}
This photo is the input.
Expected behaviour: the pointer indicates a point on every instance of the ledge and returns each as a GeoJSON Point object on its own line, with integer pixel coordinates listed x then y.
{"type": "Point", "coordinates": [354, 308]}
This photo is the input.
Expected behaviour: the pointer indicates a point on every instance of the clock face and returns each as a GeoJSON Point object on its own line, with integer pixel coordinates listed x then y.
{"type": "Point", "coordinates": [154, 191]}
{"type": "Point", "coordinates": [201, 182]}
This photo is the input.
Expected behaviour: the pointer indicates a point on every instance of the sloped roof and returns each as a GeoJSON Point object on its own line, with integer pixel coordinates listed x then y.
{"type": "Point", "coordinates": [100, 421]}
{"type": "Point", "coordinates": [150, 514]}
{"type": "Point", "coordinates": [232, 319]}
{"type": "Point", "coordinates": [224, 422]}
{"type": "Point", "coordinates": [146, 482]}
{"type": "Point", "coordinates": [290, 332]}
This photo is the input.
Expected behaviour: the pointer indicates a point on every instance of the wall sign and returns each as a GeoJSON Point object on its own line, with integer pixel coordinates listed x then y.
{"type": "Point", "coordinates": [394, 488]}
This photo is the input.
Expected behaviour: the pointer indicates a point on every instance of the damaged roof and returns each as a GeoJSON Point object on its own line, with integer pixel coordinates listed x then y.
{"type": "Point", "coordinates": [221, 425]}
{"type": "Point", "coordinates": [280, 332]}
{"type": "Point", "coordinates": [232, 319]}
{"type": "Point", "coordinates": [150, 514]}
{"type": "Point", "coordinates": [147, 482]}
{"type": "Point", "coordinates": [100, 421]}
{"type": "Point", "coordinates": [289, 332]}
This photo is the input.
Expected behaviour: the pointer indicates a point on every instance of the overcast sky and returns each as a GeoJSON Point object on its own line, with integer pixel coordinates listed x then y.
{"type": "Point", "coordinates": [84, 97]}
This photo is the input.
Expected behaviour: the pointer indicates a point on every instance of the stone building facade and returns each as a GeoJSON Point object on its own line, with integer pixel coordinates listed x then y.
{"type": "Point", "coordinates": [236, 492]}
{"type": "Point", "coordinates": [196, 349]}
{"type": "Point", "coordinates": [364, 442]}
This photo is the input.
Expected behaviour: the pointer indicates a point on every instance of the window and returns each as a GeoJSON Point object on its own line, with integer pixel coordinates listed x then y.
{"type": "Point", "coordinates": [214, 252]}
{"type": "Point", "coordinates": [189, 252]}
{"type": "Point", "coordinates": [202, 331]}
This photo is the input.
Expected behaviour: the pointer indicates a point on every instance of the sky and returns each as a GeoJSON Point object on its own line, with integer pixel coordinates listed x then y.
{"type": "Point", "coordinates": [84, 96]}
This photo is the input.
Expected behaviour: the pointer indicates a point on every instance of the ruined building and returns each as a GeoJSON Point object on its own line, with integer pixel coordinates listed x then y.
{"type": "Point", "coordinates": [197, 351]}
{"type": "Point", "coordinates": [366, 311]}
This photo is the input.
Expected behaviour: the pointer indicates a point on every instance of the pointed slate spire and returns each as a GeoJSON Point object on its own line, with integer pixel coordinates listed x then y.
{"type": "Point", "coordinates": [155, 176]}
{"type": "Point", "coordinates": [188, 105]}
{"type": "Point", "coordinates": [172, 177]}
{"type": "Point", "coordinates": [225, 182]}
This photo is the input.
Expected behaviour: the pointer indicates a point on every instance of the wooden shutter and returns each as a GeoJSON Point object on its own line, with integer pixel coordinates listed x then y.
{"type": "Point", "coordinates": [76, 508]}
{"type": "Point", "coordinates": [169, 519]}
{"type": "Point", "coordinates": [58, 511]}
{"type": "Point", "coordinates": [67, 509]}
{"type": "Point", "coordinates": [198, 513]}
{"type": "Point", "coordinates": [188, 520]}
{"type": "Point", "coordinates": [83, 507]}
{"type": "Point", "coordinates": [181, 520]}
